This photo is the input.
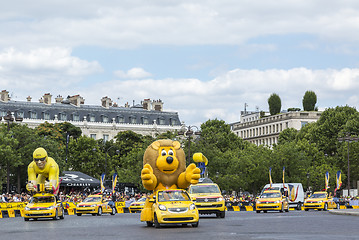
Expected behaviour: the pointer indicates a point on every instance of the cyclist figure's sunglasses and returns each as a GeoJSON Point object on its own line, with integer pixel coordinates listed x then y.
{"type": "Point", "coordinates": [40, 159]}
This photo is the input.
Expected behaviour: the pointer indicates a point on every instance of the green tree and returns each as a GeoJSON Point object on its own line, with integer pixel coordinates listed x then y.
{"type": "Point", "coordinates": [274, 103]}
{"type": "Point", "coordinates": [309, 101]}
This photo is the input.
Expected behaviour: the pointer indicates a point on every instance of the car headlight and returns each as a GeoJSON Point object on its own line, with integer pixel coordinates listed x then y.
{"type": "Point", "coordinates": [162, 207]}
{"type": "Point", "coordinates": [27, 208]}
{"type": "Point", "coordinates": [51, 207]}
{"type": "Point", "coordinates": [320, 201]}
{"type": "Point", "coordinates": [94, 205]}
{"type": "Point", "coordinates": [142, 204]}
{"type": "Point", "coordinates": [277, 201]}
{"type": "Point", "coordinates": [192, 206]}
{"type": "Point", "coordinates": [219, 199]}
{"type": "Point", "coordinates": [258, 202]}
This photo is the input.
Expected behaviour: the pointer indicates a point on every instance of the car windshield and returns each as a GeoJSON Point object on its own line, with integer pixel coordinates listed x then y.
{"type": "Point", "coordinates": [270, 195]}
{"type": "Point", "coordinates": [141, 200]}
{"type": "Point", "coordinates": [318, 195]}
{"type": "Point", "coordinates": [204, 189]}
{"type": "Point", "coordinates": [165, 196]}
{"type": "Point", "coordinates": [47, 199]}
{"type": "Point", "coordinates": [92, 199]}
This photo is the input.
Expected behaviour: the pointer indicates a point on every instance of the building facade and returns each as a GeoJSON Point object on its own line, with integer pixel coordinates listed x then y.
{"type": "Point", "coordinates": [103, 121]}
{"type": "Point", "coordinates": [266, 130]}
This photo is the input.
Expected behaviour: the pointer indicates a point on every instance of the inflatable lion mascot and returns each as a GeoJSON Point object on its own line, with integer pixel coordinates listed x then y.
{"type": "Point", "coordinates": [164, 167]}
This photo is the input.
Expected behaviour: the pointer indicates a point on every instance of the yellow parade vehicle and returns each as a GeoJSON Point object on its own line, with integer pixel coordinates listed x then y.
{"type": "Point", "coordinates": [95, 205]}
{"type": "Point", "coordinates": [272, 200]}
{"type": "Point", "coordinates": [43, 205]}
{"type": "Point", "coordinates": [172, 206]}
{"type": "Point", "coordinates": [137, 206]}
{"type": "Point", "coordinates": [208, 198]}
{"type": "Point", "coordinates": [319, 201]}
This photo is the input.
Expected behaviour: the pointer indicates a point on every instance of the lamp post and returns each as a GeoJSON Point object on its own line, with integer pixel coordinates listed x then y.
{"type": "Point", "coordinates": [348, 138]}
{"type": "Point", "coordinates": [188, 132]}
{"type": "Point", "coordinates": [308, 175]}
{"type": "Point", "coordinates": [9, 118]}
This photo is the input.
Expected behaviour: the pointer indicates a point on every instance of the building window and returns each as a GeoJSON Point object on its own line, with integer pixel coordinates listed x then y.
{"type": "Point", "coordinates": [105, 137]}
{"type": "Point", "coordinates": [93, 136]}
{"type": "Point", "coordinates": [121, 119]}
{"type": "Point", "coordinates": [92, 118]}
{"type": "Point", "coordinates": [105, 119]}
{"type": "Point", "coordinates": [303, 123]}
{"type": "Point", "coordinates": [20, 114]}
{"type": "Point", "coordinates": [133, 120]}
{"type": "Point", "coordinates": [173, 122]}
{"type": "Point", "coordinates": [145, 120]}
{"type": "Point", "coordinates": [63, 116]}
{"type": "Point", "coordinates": [75, 117]}
{"type": "Point", "coordinates": [46, 116]}
{"type": "Point", "coordinates": [33, 115]}
{"type": "Point", "coordinates": [161, 121]}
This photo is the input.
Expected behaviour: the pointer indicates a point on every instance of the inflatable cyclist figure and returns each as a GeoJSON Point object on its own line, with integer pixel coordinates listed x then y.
{"type": "Point", "coordinates": [43, 170]}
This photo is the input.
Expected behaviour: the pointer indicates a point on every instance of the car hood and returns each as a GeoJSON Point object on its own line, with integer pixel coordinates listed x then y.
{"type": "Point", "coordinates": [269, 199]}
{"type": "Point", "coordinates": [39, 205]}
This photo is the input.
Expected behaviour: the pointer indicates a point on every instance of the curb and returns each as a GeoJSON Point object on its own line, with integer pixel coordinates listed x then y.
{"type": "Point", "coordinates": [351, 212]}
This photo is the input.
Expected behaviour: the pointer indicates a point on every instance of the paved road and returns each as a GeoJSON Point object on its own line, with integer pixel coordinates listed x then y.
{"type": "Point", "coordinates": [236, 225]}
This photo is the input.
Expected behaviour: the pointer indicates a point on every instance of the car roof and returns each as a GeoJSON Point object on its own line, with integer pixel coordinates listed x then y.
{"type": "Point", "coordinates": [271, 191]}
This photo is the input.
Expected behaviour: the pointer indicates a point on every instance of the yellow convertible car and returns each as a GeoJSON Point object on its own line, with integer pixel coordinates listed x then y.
{"type": "Point", "coordinates": [171, 207]}
{"type": "Point", "coordinates": [95, 205]}
{"type": "Point", "coordinates": [272, 200]}
{"type": "Point", "coordinates": [43, 205]}
{"type": "Point", "coordinates": [319, 201]}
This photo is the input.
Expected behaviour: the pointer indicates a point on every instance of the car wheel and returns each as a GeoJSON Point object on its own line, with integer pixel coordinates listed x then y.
{"type": "Point", "coordinates": [258, 211]}
{"type": "Point", "coordinates": [325, 207]}
{"type": "Point", "coordinates": [265, 211]}
{"type": "Point", "coordinates": [195, 224]}
{"type": "Point", "coordinates": [155, 221]}
{"type": "Point", "coordinates": [99, 212]}
{"type": "Point", "coordinates": [78, 214]}
{"type": "Point", "coordinates": [306, 209]}
{"type": "Point", "coordinates": [63, 214]}
{"type": "Point", "coordinates": [149, 224]}
{"type": "Point", "coordinates": [26, 219]}
{"type": "Point", "coordinates": [113, 212]}
{"type": "Point", "coordinates": [222, 214]}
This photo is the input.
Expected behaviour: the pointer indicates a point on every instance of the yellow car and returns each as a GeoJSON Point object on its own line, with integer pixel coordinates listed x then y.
{"type": "Point", "coordinates": [272, 200]}
{"type": "Point", "coordinates": [44, 205]}
{"type": "Point", "coordinates": [172, 207]}
{"type": "Point", "coordinates": [137, 206]}
{"type": "Point", "coordinates": [319, 201]}
{"type": "Point", "coordinates": [208, 199]}
{"type": "Point", "coordinates": [95, 205]}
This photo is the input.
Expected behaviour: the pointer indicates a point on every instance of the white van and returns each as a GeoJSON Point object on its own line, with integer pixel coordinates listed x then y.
{"type": "Point", "coordinates": [295, 193]}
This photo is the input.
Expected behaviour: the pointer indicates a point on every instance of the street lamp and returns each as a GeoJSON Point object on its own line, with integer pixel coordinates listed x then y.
{"type": "Point", "coordinates": [308, 175]}
{"type": "Point", "coordinates": [348, 138]}
{"type": "Point", "coordinates": [9, 118]}
{"type": "Point", "coordinates": [188, 132]}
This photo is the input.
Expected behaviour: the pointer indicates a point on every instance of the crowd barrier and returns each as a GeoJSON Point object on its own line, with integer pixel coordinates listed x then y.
{"type": "Point", "coordinates": [10, 210]}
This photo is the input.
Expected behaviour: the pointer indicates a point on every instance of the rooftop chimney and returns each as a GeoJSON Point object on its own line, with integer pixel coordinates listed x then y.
{"type": "Point", "coordinates": [146, 104]}
{"type": "Point", "coordinates": [76, 100]}
{"type": "Point", "coordinates": [106, 102]}
{"type": "Point", "coordinates": [47, 98]}
{"type": "Point", "coordinates": [157, 105]}
{"type": "Point", "coordinates": [59, 99]}
{"type": "Point", "coordinates": [4, 96]}
{"type": "Point", "coordinates": [28, 99]}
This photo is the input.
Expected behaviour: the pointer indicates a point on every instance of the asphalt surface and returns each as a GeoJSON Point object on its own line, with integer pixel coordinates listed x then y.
{"type": "Point", "coordinates": [236, 225]}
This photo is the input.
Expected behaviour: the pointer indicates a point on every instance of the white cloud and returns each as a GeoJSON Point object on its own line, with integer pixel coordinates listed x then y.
{"type": "Point", "coordinates": [224, 96]}
{"type": "Point", "coordinates": [133, 73]}
{"type": "Point", "coordinates": [43, 68]}
{"type": "Point", "coordinates": [133, 23]}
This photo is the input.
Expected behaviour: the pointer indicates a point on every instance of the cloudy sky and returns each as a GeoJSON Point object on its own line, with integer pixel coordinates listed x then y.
{"type": "Point", "coordinates": [203, 59]}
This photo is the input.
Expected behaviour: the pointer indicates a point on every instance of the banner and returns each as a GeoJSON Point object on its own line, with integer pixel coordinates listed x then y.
{"type": "Point", "coordinates": [339, 180]}
{"type": "Point", "coordinates": [114, 182]}
{"type": "Point", "coordinates": [102, 180]}
{"type": "Point", "coordinates": [270, 177]}
{"type": "Point", "coordinates": [326, 181]}
{"type": "Point", "coordinates": [283, 177]}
